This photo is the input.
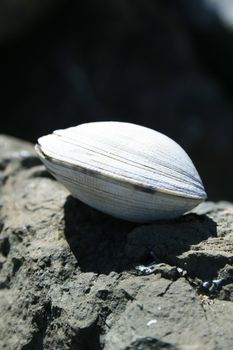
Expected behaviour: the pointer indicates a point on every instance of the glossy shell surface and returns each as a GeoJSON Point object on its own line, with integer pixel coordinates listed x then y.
{"type": "Point", "coordinates": [122, 169]}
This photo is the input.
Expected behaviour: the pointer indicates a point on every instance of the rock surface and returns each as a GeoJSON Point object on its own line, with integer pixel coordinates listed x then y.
{"type": "Point", "coordinates": [73, 278]}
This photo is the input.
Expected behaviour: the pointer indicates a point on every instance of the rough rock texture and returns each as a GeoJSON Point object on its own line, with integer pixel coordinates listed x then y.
{"type": "Point", "coordinates": [73, 278]}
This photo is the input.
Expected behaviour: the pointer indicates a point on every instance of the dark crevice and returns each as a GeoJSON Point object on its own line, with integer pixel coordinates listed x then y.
{"type": "Point", "coordinates": [150, 343]}
{"type": "Point", "coordinates": [17, 263]}
{"type": "Point", "coordinates": [30, 162]}
{"type": "Point", "coordinates": [40, 322]}
{"type": "Point", "coordinates": [87, 338]}
{"type": "Point", "coordinates": [195, 262]}
{"type": "Point", "coordinates": [166, 290]}
{"type": "Point", "coordinates": [4, 246]}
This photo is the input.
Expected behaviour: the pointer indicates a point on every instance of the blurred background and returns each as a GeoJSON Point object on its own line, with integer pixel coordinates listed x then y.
{"type": "Point", "coordinates": [164, 64]}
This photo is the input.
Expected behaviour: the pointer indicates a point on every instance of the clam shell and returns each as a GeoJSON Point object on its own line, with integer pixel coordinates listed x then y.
{"type": "Point", "coordinates": [122, 169]}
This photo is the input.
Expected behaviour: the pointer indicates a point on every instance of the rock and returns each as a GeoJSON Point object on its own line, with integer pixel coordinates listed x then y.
{"type": "Point", "coordinates": [70, 276]}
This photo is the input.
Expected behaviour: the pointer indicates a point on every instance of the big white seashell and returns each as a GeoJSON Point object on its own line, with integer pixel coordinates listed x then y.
{"type": "Point", "coordinates": [122, 169]}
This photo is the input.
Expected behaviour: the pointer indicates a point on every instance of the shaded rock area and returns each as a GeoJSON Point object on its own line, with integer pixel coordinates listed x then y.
{"type": "Point", "coordinates": [74, 278]}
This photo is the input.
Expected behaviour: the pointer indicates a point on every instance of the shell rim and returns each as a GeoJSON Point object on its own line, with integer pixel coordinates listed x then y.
{"type": "Point", "coordinates": [116, 178]}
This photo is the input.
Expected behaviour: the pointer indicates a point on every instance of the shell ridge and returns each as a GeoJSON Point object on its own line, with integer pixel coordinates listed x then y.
{"type": "Point", "coordinates": [156, 184]}
{"type": "Point", "coordinates": [196, 181]}
{"type": "Point", "coordinates": [101, 191]}
{"type": "Point", "coordinates": [120, 178]}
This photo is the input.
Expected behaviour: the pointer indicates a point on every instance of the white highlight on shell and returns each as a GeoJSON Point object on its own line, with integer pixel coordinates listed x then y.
{"type": "Point", "coordinates": [125, 170]}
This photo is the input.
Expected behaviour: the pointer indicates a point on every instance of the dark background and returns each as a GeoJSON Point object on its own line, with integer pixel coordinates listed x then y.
{"type": "Point", "coordinates": [163, 64]}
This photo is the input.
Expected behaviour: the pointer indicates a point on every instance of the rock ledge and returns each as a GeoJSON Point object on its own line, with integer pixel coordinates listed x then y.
{"type": "Point", "coordinates": [73, 278]}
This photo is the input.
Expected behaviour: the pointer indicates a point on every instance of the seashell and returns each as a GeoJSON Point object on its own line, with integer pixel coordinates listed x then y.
{"type": "Point", "coordinates": [122, 169]}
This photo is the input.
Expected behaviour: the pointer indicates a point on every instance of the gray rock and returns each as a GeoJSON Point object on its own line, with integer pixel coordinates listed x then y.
{"type": "Point", "coordinates": [69, 276]}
